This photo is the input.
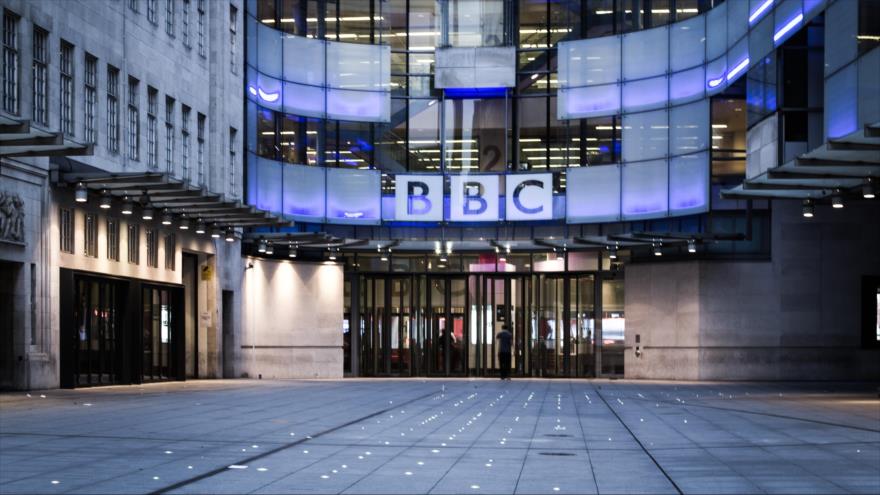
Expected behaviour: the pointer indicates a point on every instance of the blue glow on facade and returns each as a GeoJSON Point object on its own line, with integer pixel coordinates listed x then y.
{"type": "Point", "coordinates": [788, 27]}
{"type": "Point", "coordinates": [468, 93]}
{"type": "Point", "coordinates": [760, 11]}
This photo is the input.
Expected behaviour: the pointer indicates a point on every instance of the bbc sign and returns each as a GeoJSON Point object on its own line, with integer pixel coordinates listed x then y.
{"type": "Point", "coordinates": [474, 198]}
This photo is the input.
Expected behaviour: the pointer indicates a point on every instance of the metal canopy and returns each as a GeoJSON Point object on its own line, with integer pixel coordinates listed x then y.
{"type": "Point", "coordinates": [162, 192]}
{"type": "Point", "coordinates": [19, 138]}
{"type": "Point", "coordinates": [837, 167]}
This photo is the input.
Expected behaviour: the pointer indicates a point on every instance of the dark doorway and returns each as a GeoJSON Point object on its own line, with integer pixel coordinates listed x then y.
{"type": "Point", "coordinates": [228, 334]}
{"type": "Point", "coordinates": [190, 312]}
{"type": "Point", "coordinates": [9, 274]}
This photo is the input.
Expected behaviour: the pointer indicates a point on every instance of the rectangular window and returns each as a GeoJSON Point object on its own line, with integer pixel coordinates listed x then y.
{"type": "Point", "coordinates": [184, 23]}
{"type": "Point", "coordinates": [201, 13]}
{"type": "Point", "coordinates": [151, 11]}
{"type": "Point", "coordinates": [91, 95]}
{"type": "Point", "coordinates": [169, 134]}
{"type": "Point", "coordinates": [152, 249]}
{"type": "Point", "coordinates": [113, 239]}
{"type": "Point", "coordinates": [65, 220]}
{"type": "Point", "coordinates": [232, 138]}
{"type": "Point", "coordinates": [10, 62]}
{"type": "Point", "coordinates": [152, 131]}
{"type": "Point", "coordinates": [112, 109]}
{"type": "Point", "coordinates": [91, 235]}
{"type": "Point", "coordinates": [184, 140]}
{"type": "Point", "coordinates": [134, 234]}
{"type": "Point", "coordinates": [134, 5]}
{"type": "Point", "coordinates": [200, 137]}
{"type": "Point", "coordinates": [170, 252]}
{"type": "Point", "coordinates": [233, 31]}
{"type": "Point", "coordinates": [134, 120]}
{"type": "Point", "coordinates": [41, 76]}
{"type": "Point", "coordinates": [67, 71]}
{"type": "Point", "coordinates": [169, 17]}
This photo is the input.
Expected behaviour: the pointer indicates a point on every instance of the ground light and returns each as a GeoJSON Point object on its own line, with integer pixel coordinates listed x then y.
{"type": "Point", "coordinates": [808, 208]}
{"type": "Point", "coordinates": [82, 193]}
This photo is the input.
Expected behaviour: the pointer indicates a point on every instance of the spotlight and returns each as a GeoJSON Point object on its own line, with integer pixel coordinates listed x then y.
{"type": "Point", "coordinates": [808, 208]}
{"type": "Point", "coordinates": [560, 255]}
{"type": "Point", "coordinates": [82, 193]}
{"type": "Point", "coordinates": [200, 227]}
{"type": "Point", "coordinates": [127, 206]}
{"type": "Point", "coordinates": [291, 253]}
{"type": "Point", "coordinates": [216, 232]}
{"type": "Point", "coordinates": [443, 258]}
{"type": "Point", "coordinates": [384, 256]}
{"type": "Point", "coordinates": [230, 235]}
{"type": "Point", "coordinates": [106, 200]}
{"type": "Point", "coordinates": [868, 191]}
{"type": "Point", "coordinates": [147, 213]}
{"type": "Point", "coordinates": [837, 200]}
{"type": "Point", "coordinates": [184, 223]}
{"type": "Point", "coordinates": [612, 252]}
{"type": "Point", "coordinates": [332, 256]}
{"type": "Point", "coordinates": [167, 217]}
{"type": "Point", "coordinates": [658, 251]}
{"type": "Point", "coordinates": [261, 247]}
{"type": "Point", "coordinates": [692, 246]}
{"type": "Point", "coordinates": [270, 249]}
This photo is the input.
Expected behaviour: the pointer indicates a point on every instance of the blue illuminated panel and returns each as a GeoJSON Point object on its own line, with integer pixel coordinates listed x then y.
{"type": "Point", "coordinates": [354, 196]}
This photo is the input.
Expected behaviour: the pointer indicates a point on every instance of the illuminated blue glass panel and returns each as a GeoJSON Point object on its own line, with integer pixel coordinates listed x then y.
{"type": "Point", "coordinates": [737, 20]}
{"type": "Point", "coordinates": [644, 190]}
{"type": "Point", "coordinates": [589, 101]}
{"type": "Point", "coordinates": [354, 196]}
{"type": "Point", "coordinates": [716, 32]}
{"type": "Point", "coordinates": [590, 61]}
{"type": "Point", "coordinates": [687, 85]}
{"type": "Point", "coordinates": [687, 43]}
{"type": "Point", "coordinates": [304, 60]}
{"type": "Point", "coordinates": [646, 53]}
{"type": "Point", "coordinates": [269, 51]}
{"type": "Point", "coordinates": [645, 135]}
{"type": "Point", "coordinates": [365, 106]}
{"type": "Point", "coordinates": [689, 128]}
{"type": "Point", "coordinates": [304, 192]}
{"type": "Point", "coordinates": [689, 184]}
{"type": "Point", "coordinates": [268, 190]}
{"type": "Point", "coordinates": [304, 100]}
{"type": "Point", "coordinates": [592, 194]}
{"type": "Point", "coordinates": [789, 16]}
{"type": "Point", "coordinates": [645, 94]}
{"type": "Point", "coordinates": [841, 103]}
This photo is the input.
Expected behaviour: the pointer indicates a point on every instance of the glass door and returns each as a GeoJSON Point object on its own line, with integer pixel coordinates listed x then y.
{"type": "Point", "coordinates": [157, 334]}
{"type": "Point", "coordinates": [613, 327]}
{"type": "Point", "coordinates": [582, 317]}
{"type": "Point", "coordinates": [96, 350]}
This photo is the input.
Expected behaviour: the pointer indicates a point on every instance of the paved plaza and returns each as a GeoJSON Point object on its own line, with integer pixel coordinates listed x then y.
{"type": "Point", "coordinates": [442, 436]}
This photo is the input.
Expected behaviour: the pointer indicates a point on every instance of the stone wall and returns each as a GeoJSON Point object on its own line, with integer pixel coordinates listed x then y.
{"type": "Point", "coordinates": [794, 317]}
{"type": "Point", "coordinates": [292, 320]}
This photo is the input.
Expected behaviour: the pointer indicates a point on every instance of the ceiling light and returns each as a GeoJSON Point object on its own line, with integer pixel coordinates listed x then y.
{"type": "Point", "coordinates": [216, 232]}
{"type": "Point", "coordinates": [184, 223]}
{"type": "Point", "coordinates": [230, 235]}
{"type": "Point", "coordinates": [106, 200]}
{"type": "Point", "coordinates": [612, 252]}
{"type": "Point", "coordinates": [291, 253]}
{"type": "Point", "coordinates": [692, 246]}
{"type": "Point", "coordinates": [167, 217]}
{"type": "Point", "coordinates": [147, 213]}
{"type": "Point", "coordinates": [332, 256]}
{"type": "Point", "coordinates": [837, 200]}
{"type": "Point", "coordinates": [200, 227]}
{"type": "Point", "coordinates": [868, 191]}
{"type": "Point", "coordinates": [270, 249]}
{"type": "Point", "coordinates": [808, 208]}
{"type": "Point", "coordinates": [127, 206]}
{"type": "Point", "coordinates": [261, 246]}
{"type": "Point", "coordinates": [82, 193]}
{"type": "Point", "coordinates": [658, 249]}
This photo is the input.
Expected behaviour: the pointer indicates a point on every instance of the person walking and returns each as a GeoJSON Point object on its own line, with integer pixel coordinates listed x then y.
{"type": "Point", "coordinates": [505, 343]}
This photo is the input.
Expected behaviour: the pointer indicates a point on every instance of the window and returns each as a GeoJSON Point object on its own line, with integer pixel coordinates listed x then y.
{"type": "Point", "coordinates": [10, 62]}
{"type": "Point", "coordinates": [152, 139]}
{"type": "Point", "coordinates": [134, 5]}
{"type": "Point", "coordinates": [66, 70]}
{"type": "Point", "coordinates": [184, 140]}
{"type": "Point", "coordinates": [65, 219]}
{"type": "Point", "coordinates": [184, 21]}
{"type": "Point", "coordinates": [200, 137]}
{"type": "Point", "coordinates": [170, 251]}
{"type": "Point", "coordinates": [152, 249]}
{"type": "Point", "coordinates": [201, 13]}
{"type": "Point", "coordinates": [113, 239]}
{"type": "Point", "coordinates": [134, 120]}
{"type": "Point", "coordinates": [151, 11]}
{"type": "Point", "coordinates": [169, 17]}
{"type": "Point", "coordinates": [134, 234]}
{"type": "Point", "coordinates": [232, 136]}
{"type": "Point", "coordinates": [233, 30]}
{"type": "Point", "coordinates": [91, 236]}
{"type": "Point", "coordinates": [41, 76]}
{"type": "Point", "coordinates": [169, 134]}
{"type": "Point", "coordinates": [91, 95]}
{"type": "Point", "coordinates": [112, 109]}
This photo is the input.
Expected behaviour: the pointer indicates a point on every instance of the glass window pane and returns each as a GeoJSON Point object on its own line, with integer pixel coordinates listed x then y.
{"type": "Point", "coordinates": [644, 190]}
{"type": "Point", "coordinates": [689, 128]}
{"type": "Point", "coordinates": [645, 94]}
{"type": "Point", "coordinates": [645, 135]}
{"type": "Point", "coordinates": [688, 43]}
{"type": "Point", "coordinates": [645, 53]}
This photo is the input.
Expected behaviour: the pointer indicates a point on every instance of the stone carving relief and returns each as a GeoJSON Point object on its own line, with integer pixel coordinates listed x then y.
{"type": "Point", "coordinates": [11, 217]}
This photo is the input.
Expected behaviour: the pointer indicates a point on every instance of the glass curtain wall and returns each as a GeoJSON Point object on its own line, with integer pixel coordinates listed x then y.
{"type": "Point", "coordinates": [429, 132]}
